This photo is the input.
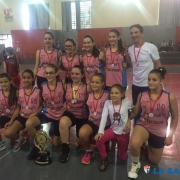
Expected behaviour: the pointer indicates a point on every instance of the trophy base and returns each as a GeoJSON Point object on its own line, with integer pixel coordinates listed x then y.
{"type": "Point", "coordinates": [43, 158]}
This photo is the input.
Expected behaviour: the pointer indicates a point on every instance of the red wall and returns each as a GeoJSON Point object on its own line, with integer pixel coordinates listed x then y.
{"type": "Point", "coordinates": [100, 35]}
{"type": "Point", "coordinates": [177, 34]}
{"type": "Point", "coordinates": [29, 41]}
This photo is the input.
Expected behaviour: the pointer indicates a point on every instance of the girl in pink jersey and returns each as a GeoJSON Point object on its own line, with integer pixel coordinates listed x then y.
{"type": "Point", "coordinates": [45, 56]}
{"type": "Point", "coordinates": [155, 106]}
{"type": "Point", "coordinates": [53, 102]}
{"type": "Point", "coordinates": [76, 109]}
{"type": "Point", "coordinates": [93, 60]}
{"type": "Point", "coordinates": [117, 110]}
{"type": "Point", "coordinates": [8, 102]}
{"type": "Point", "coordinates": [95, 103]}
{"type": "Point", "coordinates": [69, 59]}
{"type": "Point", "coordinates": [115, 59]}
{"type": "Point", "coordinates": [11, 66]}
{"type": "Point", "coordinates": [28, 106]}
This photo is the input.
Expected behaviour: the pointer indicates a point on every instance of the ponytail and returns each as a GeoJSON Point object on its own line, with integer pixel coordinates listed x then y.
{"type": "Point", "coordinates": [120, 44]}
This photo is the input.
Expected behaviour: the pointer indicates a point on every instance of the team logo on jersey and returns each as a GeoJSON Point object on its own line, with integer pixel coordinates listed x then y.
{"type": "Point", "coordinates": [144, 104]}
{"type": "Point", "coordinates": [146, 169]}
{"type": "Point", "coordinates": [81, 95]}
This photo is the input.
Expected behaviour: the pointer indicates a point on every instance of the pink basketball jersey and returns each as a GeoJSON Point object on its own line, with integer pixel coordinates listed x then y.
{"type": "Point", "coordinates": [29, 104]}
{"type": "Point", "coordinates": [53, 101]}
{"type": "Point", "coordinates": [92, 65]}
{"type": "Point", "coordinates": [157, 124]}
{"type": "Point", "coordinates": [79, 109]}
{"type": "Point", "coordinates": [45, 59]}
{"type": "Point", "coordinates": [96, 105]}
{"type": "Point", "coordinates": [115, 73]}
{"type": "Point", "coordinates": [5, 110]}
{"type": "Point", "coordinates": [68, 65]}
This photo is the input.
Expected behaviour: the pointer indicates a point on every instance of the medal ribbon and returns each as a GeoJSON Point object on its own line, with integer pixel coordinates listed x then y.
{"type": "Point", "coordinates": [27, 102]}
{"type": "Point", "coordinates": [152, 106]}
{"type": "Point", "coordinates": [136, 57]}
{"type": "Point", "coordinates": [95, 105]}
{"type": "Point", "coordinates": [75, 92]}
{"type": "Point", "coordinates": [119, 108]}
{"type": "Point", "coordinates": [88, 60]}
{"type": "Point", "coordinates": [113, 57]}
{"type": "Point", "coordinates": [70, 63]}
{"type": "Point", "coordinates": [49, 59]}
{"type": "Point", "coordinates": [52, 97]}
{"type": "Point", "coordinates": [5, 100]}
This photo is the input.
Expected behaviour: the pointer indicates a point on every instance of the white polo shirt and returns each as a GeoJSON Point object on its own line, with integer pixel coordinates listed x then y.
{"type": "Point", "coordinates": [147, 55]}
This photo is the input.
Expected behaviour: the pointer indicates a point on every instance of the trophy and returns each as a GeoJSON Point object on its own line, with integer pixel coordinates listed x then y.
{"type": "Point", "coordinates": [42, 141]}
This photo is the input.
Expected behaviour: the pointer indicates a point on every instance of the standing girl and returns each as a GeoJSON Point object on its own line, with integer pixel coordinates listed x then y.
{"type": "Point", "coordinates": [28, 106]}
{"type": "Point", "coordinates": [69, 59]}
{"type": "Point", "coordinates": [95, 103]}
{"type": "Point", "coordinates": [11, 66]}
{"type": "Point", "coordinates": [76, 109]}
{"type": "Point", "coordinates": [45, 56]}
{"type": "Point", "coordinates": [155, 106]}
{"type": "Point", "coordinates": [93, 60]}
{"type": "Point", "coordinates": [117, 109]}
{"type": "Point", "coordinates": [53, 101]}
{"type": "Point", "coordinates": [115, 59]}
{"type": "Point", "coordinates": [8, 102]}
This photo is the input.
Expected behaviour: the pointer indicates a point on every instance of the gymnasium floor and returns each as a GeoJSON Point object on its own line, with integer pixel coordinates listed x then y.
{"type": "Point", "coordinates": [14, 166]}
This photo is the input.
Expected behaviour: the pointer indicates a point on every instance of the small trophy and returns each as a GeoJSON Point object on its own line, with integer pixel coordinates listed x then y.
{"type": "Point", "coordinates": [42, 141]}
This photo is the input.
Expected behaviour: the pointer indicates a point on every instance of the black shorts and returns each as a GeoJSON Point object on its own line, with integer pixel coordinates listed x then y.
{"type": "Point", "coordinates": [44, 119]}
{"type": "Point", "coordinates": [22, 120]}
{"type": "Point", "coordinates": [40, 80]}
{"type": "Point", "coordinates": [75, 121]}
{"type": "Point", "coordinates": [156, 141]}
{"type": "Point", "coordinates": [4, 120]}
{"type": "Point", "coordinates": [94, 127]}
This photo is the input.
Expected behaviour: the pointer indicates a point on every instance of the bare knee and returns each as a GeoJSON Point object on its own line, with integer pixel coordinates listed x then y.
{"type": "Point", "coordinates": [153, 159]}
{"type": "Point", "coordinates": [83, 134]}
{"type": "Point", "coordinates": [64, 124]}
{"type": "Point", "coordinates": [135, 144]}
{"type": "Point", "coordinates": [8, 133]}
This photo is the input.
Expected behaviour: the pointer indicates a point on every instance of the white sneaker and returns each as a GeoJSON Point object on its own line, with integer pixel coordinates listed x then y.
{"type": "Point", "coordinates": [133, 173]}
{"type": "Point", "coordinates": [2, 146]}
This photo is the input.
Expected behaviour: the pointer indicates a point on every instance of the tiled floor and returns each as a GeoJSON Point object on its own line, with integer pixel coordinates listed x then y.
{"type": "Point", "coordinates": [14, 166]}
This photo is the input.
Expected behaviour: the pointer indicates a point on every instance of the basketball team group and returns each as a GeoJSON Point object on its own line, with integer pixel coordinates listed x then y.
{"type": "Point", "coordinates": [92, 97]}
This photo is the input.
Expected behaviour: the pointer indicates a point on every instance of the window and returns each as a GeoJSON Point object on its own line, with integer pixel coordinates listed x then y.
{"type": "Point", "coordinates": [6, 39]}
{"type": "Point", "coordinates": [85, 14]}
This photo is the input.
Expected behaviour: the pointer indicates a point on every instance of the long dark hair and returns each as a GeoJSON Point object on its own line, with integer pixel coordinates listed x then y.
{"type": "Point", "coordinates": [95, 50]}
{"type": "Point", "coordinates": [31, 73]}
{"type": "Point", "coordinates": [120, 44]}
{"type": "Point", "coordinates": [12, 99]}
{"type": "Point", "coordinates": [11, 52]}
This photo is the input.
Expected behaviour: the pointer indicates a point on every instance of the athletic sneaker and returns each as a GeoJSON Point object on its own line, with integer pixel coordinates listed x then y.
{"type": "Point", "coordinates": [17, 145]}
{"type": "Point", "coordinates": [133, 173]}
{"type": "Point", "coordinates": [33, 153]}
{"type": "Point", "coordinates": [87, 157]}
{"type": "Point", "coordinates": [2, 145]}
{"type": "Point", "coordinates": [103, 164]}
{"type": "Point", "coordinates": [65, 153]}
